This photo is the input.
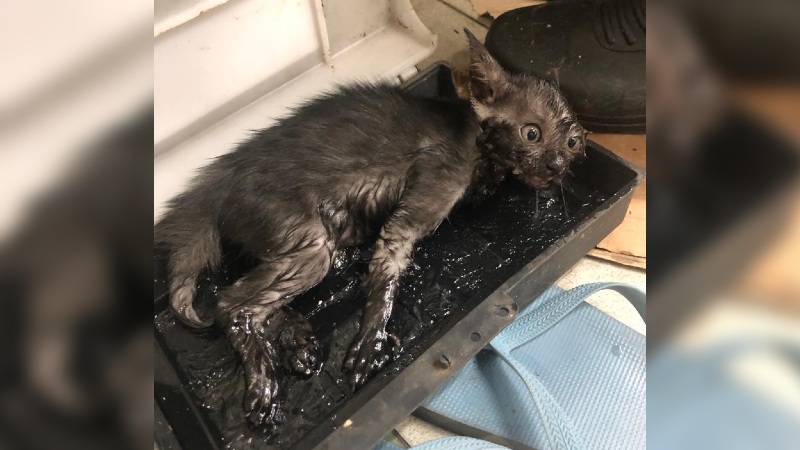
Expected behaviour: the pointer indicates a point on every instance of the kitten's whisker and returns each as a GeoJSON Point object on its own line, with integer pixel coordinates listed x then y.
{"type": "Point", "coordinates": [564, 200]}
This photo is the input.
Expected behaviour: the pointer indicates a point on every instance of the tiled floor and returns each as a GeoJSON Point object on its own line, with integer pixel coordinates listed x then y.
{"type": "Point", "coordinates": [447, 18]}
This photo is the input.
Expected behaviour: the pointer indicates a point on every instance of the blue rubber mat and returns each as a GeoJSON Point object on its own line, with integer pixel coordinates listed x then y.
{"type": "Point", "coordinates": [451, 443]}
{"type": "Point", "coordinates": [584, 379]}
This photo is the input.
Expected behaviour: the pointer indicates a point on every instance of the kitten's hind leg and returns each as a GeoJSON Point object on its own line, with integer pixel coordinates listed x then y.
{"type": "Point", "coordinates": [258, 357]}
{"type": "Point", "coordinates": [260, 334]}
{"type": "Point", "coordinates": [260, 328]}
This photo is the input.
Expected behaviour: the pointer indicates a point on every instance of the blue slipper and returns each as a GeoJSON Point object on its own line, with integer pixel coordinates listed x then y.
{"type": "Point", "coordinates": [563, 375]}
{"type": "Point", "coordinates": [451, 443]}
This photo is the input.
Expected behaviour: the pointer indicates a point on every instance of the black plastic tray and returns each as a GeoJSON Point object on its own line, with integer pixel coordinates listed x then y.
{"type": "Point", "coordinates": [484, 263]}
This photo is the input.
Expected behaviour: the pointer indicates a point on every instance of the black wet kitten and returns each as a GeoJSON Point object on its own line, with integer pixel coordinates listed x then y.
{"type": "Point", "coordinates": [366, 161]}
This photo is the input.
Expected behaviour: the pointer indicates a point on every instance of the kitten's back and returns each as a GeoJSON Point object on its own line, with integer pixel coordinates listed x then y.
{"type": "Point", "coordinates": [356, 131]}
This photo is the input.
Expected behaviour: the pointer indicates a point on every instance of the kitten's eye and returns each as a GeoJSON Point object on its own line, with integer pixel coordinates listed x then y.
{"type": "Point", "coordinates": [573, 142]}
{"type": "Point", "coordinates": [530, 132]}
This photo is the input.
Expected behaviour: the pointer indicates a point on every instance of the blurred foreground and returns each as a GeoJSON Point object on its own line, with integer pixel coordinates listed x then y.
{"type": "Point", "coordinates": [723, 131]}
{"type": "Point", "coordinates": [75, 249]}
{"type": "Point", "coordinates": [77, 361]}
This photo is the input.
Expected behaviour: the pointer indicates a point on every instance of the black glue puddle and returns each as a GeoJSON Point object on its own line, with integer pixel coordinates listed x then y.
{"type": "Point", "coordinates": [466, 259]}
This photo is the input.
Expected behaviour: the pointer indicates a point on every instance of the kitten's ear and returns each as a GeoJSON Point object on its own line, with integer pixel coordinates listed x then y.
{"type": "Point", "coordinates": [487, 80]}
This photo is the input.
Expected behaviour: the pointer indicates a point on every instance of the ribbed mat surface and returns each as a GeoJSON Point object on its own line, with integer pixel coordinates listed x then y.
{"type": "Point", "coordinates": [592, 365]}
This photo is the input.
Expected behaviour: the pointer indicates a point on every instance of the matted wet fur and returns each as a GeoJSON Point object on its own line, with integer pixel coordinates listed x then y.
{"type": "Point", "coordinates": [363, 162]}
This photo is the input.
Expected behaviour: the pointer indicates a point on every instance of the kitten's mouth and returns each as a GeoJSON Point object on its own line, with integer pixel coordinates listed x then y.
{"type": "Point", "coordinates": [539, 181]}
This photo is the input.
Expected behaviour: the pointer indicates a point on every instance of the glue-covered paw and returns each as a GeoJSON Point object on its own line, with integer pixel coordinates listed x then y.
{"type": "Point", "coordinates": [300, 349]}
{"type": "Point", "coordinates": [367, 355]}
{"type": "Point", "coordinates": [261, 405]}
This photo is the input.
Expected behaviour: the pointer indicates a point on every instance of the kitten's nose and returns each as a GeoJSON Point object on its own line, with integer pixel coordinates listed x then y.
{"type": "Point", "coordinates": [557, 163]}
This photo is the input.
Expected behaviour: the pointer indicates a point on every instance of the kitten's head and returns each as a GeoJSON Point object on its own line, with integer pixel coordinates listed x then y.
{"type": "Point", "coordinates": [528, 126]}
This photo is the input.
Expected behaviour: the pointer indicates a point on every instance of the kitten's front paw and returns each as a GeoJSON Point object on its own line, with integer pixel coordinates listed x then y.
{"type": "Point", "coordinates": [368, 354]}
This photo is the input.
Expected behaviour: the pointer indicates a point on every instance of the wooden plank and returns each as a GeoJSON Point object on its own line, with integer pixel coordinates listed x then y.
{"type": "Point", "coordinates": [620, 258]}
{"type": "Point", "coordinates": [496, 7]}
{"type": "Point", "coordinates": [630, 238]}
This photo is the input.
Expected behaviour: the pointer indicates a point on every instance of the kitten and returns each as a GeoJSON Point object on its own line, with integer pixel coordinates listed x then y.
{"type": "Point", "coordinates": [366, 161]}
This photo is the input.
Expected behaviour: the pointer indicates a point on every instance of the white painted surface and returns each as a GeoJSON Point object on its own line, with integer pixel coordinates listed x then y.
{"type": "Point", "coordinates": [244, 63]}
{"type": "Point", "coordinates": [169, 14]}
{"type": "Point", "coordinates": [208, 67]}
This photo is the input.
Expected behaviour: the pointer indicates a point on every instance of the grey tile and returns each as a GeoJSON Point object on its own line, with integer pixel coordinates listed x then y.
{"type": "Point", "coordinates": [466, 8]}
{"type": "Point", "coordinates": [416, 431]}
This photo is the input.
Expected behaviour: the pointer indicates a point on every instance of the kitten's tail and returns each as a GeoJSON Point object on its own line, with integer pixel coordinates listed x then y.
{"type": "Point", "coordinates": [193, 245]}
